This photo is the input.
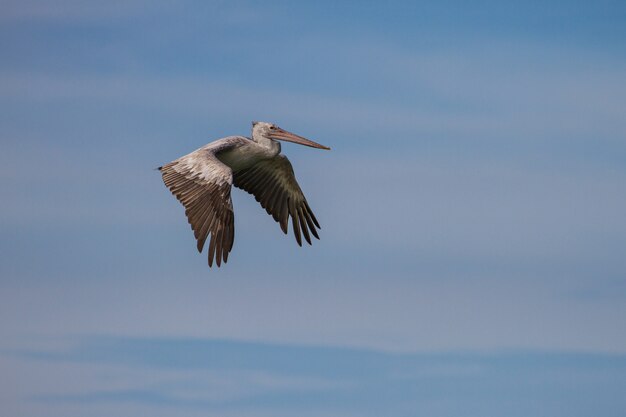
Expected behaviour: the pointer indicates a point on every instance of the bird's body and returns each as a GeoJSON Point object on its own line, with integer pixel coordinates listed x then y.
{"type": "Point", "coordinates": [202, 182]}
{"type": "Point", "coordinates": [239, 152]}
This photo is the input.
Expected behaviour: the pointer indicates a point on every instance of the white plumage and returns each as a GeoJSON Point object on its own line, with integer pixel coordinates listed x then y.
{"type": "Point", "coordinates": [202, 182]}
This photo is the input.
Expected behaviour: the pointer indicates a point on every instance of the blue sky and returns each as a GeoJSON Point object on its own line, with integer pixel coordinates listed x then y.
{"type": "Point", "coordinates": [472, 209]}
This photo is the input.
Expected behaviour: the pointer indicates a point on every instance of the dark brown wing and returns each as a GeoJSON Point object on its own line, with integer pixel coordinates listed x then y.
{"type": "Point", "coordinates": [202, 184]}
{"type": "Point", "coordinates": [274, 185]}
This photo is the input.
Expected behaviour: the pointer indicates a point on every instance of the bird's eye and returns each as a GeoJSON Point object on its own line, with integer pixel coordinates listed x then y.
{"type": "Point", "coordinates": [273, 127]}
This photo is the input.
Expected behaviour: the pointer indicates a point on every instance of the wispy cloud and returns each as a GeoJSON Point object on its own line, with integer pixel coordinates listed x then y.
{"type": "Point", "coordinates": [219, 375]}
{"type": "Point", "coordinates": [482, 92]}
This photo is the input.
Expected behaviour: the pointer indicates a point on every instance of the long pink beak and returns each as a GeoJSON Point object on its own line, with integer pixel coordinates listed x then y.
{"type": "Point", "coordinates": [281, 134]}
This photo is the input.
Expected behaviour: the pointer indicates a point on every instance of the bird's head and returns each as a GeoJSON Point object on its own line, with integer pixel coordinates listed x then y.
{"type": "Point", "coordinates": [271, 131]}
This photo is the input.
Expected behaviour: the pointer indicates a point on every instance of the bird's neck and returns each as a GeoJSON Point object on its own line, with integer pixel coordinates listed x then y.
{"type": "Point", "coordinates": [271, 145]}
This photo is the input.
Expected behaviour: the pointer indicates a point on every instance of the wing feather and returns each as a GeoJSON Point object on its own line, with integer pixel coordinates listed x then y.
{"type": "Point", "coordinates": [202, 183]}
{"type": "Point", "coordinates": [273, 184]}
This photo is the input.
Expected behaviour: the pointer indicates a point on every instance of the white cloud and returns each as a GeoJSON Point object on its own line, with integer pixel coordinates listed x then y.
{"type": "Point", "coordinates": [40, 387]}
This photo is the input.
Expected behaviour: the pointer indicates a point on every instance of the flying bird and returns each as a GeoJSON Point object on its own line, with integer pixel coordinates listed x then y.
{"type": "Point", "coordinates": [202, 182]}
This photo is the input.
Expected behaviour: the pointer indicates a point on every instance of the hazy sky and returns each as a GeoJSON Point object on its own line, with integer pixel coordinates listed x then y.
{"type": "Point", "coordinates": [472, 253]}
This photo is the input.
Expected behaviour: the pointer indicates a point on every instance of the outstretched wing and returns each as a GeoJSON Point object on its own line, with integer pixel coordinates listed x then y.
{"type": "Point", "coordinates": [202, 184]}
{"type": "Point", "coordinates": [274, 185]}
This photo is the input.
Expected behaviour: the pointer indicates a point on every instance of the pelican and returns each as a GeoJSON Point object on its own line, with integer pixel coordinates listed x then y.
{"type": "Point", "coordinates": [202, 182]}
